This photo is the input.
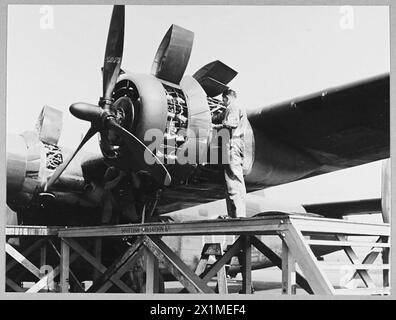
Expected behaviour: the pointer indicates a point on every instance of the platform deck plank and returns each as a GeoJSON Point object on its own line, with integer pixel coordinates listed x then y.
{"type": "Point", "coordinates": [273, 224]}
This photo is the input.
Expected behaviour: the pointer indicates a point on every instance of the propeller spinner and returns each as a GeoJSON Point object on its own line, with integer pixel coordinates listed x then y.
{"type": "Point", "coordinates": [102, 118]}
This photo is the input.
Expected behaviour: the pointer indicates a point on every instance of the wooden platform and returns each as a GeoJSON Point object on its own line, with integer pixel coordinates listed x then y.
{"type": "Point", "coordinates": [243, 226]}
{"type": "Point", "coordinates": [298, 234]}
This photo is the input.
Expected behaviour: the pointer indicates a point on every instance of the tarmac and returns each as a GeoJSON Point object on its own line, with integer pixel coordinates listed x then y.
{"type": "Point", "coordinates": [268, 282]}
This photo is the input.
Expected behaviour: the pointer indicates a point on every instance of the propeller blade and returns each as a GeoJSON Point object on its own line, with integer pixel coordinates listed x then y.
{"type": "Point", "coordinates": [87, 112]}
{"type": "Point", "coordinates": [90, 133]}
{"type": "Point", "coordinates": [114, 50]}
{"type": "Point", "coordinates": [138, 148]}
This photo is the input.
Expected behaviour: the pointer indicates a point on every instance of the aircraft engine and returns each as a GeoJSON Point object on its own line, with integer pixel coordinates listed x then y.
{"type": "Point", "coordinates": [33, 156]}
{"type": "Point", "coordinates": [174, 121]}
{"type": "Point", "coordinates": [170, 119]}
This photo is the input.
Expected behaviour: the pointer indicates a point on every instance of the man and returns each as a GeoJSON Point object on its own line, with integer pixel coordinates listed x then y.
{"type": "Point", "coordinates": [234, 120]}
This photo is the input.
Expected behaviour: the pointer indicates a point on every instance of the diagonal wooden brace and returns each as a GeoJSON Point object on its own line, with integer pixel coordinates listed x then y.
{"type": "Point", "coordinates": [175, 265]}
{"type": "Point", "coordinates": [13, 285]}
{"type": "Point", "coordinates": [121, 271]}
{"type": "Point", "coordinates": [307, 261]}
{"type": "Point", "coordinates": [44, 281]}
{"type": "Point", "coordinates": [94, 262]}
{"type": "Point", "coordinates": [26, 253]}
{"type": "Point", "coordinates": [370, 259]}
{"type": "Point", "coordinates": [232, 251]}
{"type": "Point", "coordinates": [277, 261]}
{"type": "Point", "coordinates": [22, 260]}
{"type": "Point", "coordinates": [363, 274]}
{"type": "Point", "coordinates": [114, 268]}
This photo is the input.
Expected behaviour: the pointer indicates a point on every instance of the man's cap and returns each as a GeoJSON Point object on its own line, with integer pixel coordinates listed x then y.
{"type": "Point", "coordinates": [229, 92]}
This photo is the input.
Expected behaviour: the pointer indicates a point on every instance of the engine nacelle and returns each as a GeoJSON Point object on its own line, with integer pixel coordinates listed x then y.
{"type": "Point", "coordinates": [176, 116]}
{"type": "Point", "coordinates": [174, 121]}
{"type": "Point", "coordinates": [33, 156]}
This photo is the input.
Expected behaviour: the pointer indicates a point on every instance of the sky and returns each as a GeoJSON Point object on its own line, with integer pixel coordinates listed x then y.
{"type": "Point", "coordinates": [280, 52]}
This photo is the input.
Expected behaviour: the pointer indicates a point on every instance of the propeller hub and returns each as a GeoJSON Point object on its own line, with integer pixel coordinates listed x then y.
{"type": "Point", "coordinates": [106, 103]}
{"type": "Point", "coordinates": [120, 114]}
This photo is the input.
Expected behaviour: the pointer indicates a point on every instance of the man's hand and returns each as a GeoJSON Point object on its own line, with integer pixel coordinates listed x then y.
{"type": "Point", "coordinates": [217, 126]}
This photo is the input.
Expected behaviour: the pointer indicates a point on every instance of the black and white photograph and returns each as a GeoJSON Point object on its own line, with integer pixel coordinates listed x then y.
{"type": "Point", "coordinates": [240, 151]}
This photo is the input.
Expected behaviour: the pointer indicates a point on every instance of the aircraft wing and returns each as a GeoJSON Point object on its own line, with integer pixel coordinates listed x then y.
{"type": "Point", "coordinates": [345, 208]}
{"type": "Point", "coordinates": [339, 127]}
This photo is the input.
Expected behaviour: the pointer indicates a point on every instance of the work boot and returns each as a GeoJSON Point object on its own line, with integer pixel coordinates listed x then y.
{"type": "Point", "coordinates": [224, 217]}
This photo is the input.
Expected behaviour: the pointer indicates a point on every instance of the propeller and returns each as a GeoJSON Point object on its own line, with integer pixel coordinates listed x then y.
{"type": "Point", "coordinates": [101, 117]}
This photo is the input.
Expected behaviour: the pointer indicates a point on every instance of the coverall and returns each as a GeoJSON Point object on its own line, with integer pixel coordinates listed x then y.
{"type": "Point", "coordinates": [235, 120]}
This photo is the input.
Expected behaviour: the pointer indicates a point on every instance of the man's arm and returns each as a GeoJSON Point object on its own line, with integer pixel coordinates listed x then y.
{"type": "Point", "coordinates": [218, 118]}
{"type": "Point", "coordinates": [232, 117]}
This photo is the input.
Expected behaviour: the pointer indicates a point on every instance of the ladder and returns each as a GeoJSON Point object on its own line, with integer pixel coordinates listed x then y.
{"type": "Point", "coordinates": [213, 249]}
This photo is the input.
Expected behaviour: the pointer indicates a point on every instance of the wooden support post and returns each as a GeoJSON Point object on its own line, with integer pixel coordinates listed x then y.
{"type": "Point", "coordinates": [246, 257]}
{"type": "Point", "coordinates": [385, 275]}
{"type": "Point", "coordinates": [221, 274]}
{"type": "Point", "coordinates": [43, 256]}
{"type": "Point", "coordinates": [288, 271]}
{"type": "Point", "coordinates": [44, 268]}
{"type": "Point", "coordinates": [152, 272]}
{"type": "Point", "coordinates": [98, 256]}
{"type": "Point", "coordinates": [74, 280]}
{"type": "Point", "coordinates": [64, 267]}
{"type": "Point", "coordinates": [43, 262]}
{"type": "Point", "coordinates": [176, 266]}
{"type": "Point", "coordinates": [222, 281]}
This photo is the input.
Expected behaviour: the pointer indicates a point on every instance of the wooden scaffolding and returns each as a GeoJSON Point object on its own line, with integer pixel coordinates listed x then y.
{"type": "Point", "coordinates": [300, 267]}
